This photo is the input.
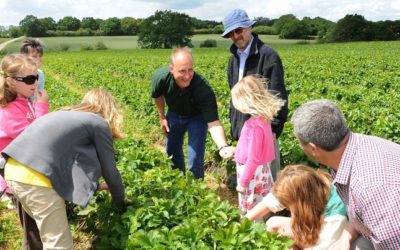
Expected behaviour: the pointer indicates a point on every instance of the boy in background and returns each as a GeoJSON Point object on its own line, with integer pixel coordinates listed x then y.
{"type": "Point", "coordinates": [33, 48]}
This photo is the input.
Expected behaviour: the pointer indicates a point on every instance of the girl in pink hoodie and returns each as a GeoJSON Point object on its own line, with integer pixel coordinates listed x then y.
{"type": "Point", "coordinates": [19, 82]}
{"type": "Point", "coordinates": [255, 148]}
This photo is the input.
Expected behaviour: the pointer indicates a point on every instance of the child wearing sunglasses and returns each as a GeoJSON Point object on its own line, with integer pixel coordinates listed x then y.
{"type": "Point", "coordinates": [18, 83]}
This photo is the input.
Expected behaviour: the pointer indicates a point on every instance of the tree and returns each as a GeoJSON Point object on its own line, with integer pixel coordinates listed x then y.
{"type": "Point", "coordinates": [31, 26]}
{"type": "Point", "coordinates": [3, 31]}
{"type": "Point", "coordinates": [15, 31]}
{"type": "Point", "coordinates": [89, 23]}
{"type": "Point", "coordinates": [294, 29]}
{"type": "Point", "coordinates": [129, 26]}
{"type": "Point", "coordinates": [278, 24]}
{"type": "Point", "coordinates": [317, 26]}
{"type": "Point", "coordinates": [203, 24]}
{"type": "Point", "coordinates": [165, 29]}
{"type": "Point", "coordinates": [111, 27]}
{"type": "Point", "coordinates": [69, 23]}
{"type": "Point", "coordinates": [264, 21]}
{"type": "Point", "coordinates": [349, 28]}
{"type": "Point", "coordinates": [48, 23]}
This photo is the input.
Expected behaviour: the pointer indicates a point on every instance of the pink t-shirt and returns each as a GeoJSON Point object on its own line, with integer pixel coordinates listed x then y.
{"type": "Point", "coordinates": [255, 147]}
{"type": "Point", "coordinates": [14, 118]}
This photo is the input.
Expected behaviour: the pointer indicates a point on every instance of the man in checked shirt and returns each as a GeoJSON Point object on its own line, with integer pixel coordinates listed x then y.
{"type": "Point", "coordinates": [366, 172]}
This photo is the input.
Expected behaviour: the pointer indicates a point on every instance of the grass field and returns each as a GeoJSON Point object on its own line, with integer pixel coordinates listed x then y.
{"type": "Point", "coordinates": [130, 42]}
{"type": "Point", "coordinates": [4, 39]}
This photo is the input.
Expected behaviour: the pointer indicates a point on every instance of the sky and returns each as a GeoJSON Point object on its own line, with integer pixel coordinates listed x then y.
{"type": "Point", "coordinates": [13, 11]}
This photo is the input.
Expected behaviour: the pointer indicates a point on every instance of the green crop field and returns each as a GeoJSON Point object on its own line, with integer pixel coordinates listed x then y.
{"type": "Point", "coordinates": [171, 211]}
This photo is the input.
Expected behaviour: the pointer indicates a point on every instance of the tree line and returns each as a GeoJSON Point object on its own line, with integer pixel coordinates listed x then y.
{"type": "Point", "coordinates": [165, 29]}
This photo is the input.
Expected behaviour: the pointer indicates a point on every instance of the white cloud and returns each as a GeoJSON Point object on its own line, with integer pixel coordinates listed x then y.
{"type": "Point", "coordinates": [13, 11]}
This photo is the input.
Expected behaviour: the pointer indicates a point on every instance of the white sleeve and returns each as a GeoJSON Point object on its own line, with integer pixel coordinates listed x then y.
{"type": "Point", "coordinates": [272, 203]}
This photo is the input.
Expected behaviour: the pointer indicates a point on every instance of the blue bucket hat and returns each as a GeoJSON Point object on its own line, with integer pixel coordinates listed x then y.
{"type": "Point", "coordinates": [237, 18]}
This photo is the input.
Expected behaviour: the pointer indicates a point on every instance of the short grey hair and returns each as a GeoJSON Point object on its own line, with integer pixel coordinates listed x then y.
{"type": "Point", "coordinates": [176, 51]}
{"type": "Point", "coordinates": [320, 122]}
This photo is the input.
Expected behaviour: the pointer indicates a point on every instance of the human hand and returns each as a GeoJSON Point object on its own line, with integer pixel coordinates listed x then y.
{"type": "Point", "coordinates": [227, 152]}
{"type": "Point", "coordinates": [121, 207]}
{"type": "Point", "coordinates": [164, 126]}
{"type": "Point", "coordinates": [42, 96]}
{"type": "Point", "coordinates": [102, 186]}
{"type": "Point", "coordinates": [240, 189]}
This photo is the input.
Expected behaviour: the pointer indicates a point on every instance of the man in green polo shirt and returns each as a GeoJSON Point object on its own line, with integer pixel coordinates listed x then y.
{"type": "Point", "coordinates": [192, 108]}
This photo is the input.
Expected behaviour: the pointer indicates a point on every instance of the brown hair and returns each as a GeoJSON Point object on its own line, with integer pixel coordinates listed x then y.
{"type": "Point", "coordinates": [11, 65]}
{"type": "Point", "coordinates": [101, 102]}
{"type": "Point", "coordinates": [305, 192]}
{"type": "Point", "coordinates": [31, 44]}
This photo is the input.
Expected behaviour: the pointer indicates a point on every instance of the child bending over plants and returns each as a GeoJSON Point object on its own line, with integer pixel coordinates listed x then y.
{"type": "Point", "coordinates": [318, 215]}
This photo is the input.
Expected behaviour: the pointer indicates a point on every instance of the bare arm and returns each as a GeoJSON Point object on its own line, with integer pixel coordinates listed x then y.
{"type": "Point", "coordinates": [160, 104]}
{"type": "Point", "coordinates": [268, 204]}
{"type": "Point", "coordinates": [218, 135]}
{"type": "Point", "coordinates": [349, 234]}
{"type": "Point", "coordinates": [257, 212]}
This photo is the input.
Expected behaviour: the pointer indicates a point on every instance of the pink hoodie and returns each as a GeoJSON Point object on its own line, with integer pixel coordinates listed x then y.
{"type": "Point", "coordinates": [255, 147]}
{"type": "Point", "coordinates": [15, 117]}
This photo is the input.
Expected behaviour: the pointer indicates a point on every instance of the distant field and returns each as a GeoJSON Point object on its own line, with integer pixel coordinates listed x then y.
{"type": "Point", "coordinates": [129, 42]}
{"type": "Point", "coordinates": [4, 39]}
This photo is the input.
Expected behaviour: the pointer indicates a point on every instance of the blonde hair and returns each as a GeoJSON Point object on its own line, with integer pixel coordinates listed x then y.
{"type": "Point", "coordinates": [11, 65]}
{"type": "Point", "coordinates": [305, 192]}
{"type": "Point", "coordinates": [101, 102]}
{"type": "Point", "coordinates": [250, 96]}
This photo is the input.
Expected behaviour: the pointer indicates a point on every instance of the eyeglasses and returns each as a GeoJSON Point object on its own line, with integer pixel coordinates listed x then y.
{"type": "Point", "coordinates": [31, 79]}
{"type": "Point", "coordinates": [237, 31]}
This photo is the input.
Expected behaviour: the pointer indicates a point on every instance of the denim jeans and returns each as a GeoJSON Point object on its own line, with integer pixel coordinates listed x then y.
{"type": "Point", "coordinates": [197, 132]}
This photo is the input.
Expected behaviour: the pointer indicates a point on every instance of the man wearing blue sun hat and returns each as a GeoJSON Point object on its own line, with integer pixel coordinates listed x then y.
{"type": "Point", "coordinates": [251, 56]}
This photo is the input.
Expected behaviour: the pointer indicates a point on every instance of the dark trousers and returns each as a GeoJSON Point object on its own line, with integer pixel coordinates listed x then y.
{"type": "Point", "coordinates": [196, 128]}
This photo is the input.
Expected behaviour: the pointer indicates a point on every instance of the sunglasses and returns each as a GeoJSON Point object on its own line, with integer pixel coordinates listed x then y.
{"type": "Point", "coordinates": [237, 31]}
{"type": "Point", "coordinates": [31, 79]}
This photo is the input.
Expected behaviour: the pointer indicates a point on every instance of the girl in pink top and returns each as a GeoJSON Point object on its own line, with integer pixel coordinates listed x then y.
{"type": "Point", "coordinates": [19, 82]}
{"type": "Point", "coordinates": [255, 148]}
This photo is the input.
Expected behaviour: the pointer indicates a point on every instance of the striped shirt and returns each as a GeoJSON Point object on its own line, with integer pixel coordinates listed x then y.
{"type": "Point", "coordinates": [368, 180]}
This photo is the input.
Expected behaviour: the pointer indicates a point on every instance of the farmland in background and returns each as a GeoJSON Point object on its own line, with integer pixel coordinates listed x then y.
{"type": "Point", "coordinates": [130, 42]}
{"type": "Point", "coordinates": [362, 78]}
{"type": "Point", "coordinates": [4, 39]}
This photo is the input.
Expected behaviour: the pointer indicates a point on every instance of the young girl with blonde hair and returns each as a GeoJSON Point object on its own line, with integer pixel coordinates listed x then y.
{"type": "Point", "coordinates": [61, 157]}
{"type": "Point", "coordinates": [318, 215]}
{"type": "Point", "coordinates": [255, 148]}
{"type": "Point", "coordinates": [18, 84]}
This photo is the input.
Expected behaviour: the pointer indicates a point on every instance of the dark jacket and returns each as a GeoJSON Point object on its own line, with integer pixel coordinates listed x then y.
{"type": "Point", "coordinates": [263, 61]}
{"type": "Point", "coordinates": [73, 149]}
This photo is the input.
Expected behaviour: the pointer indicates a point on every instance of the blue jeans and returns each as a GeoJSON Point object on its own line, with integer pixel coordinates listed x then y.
{"type": "Point", "coordinates": [197, 132]}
